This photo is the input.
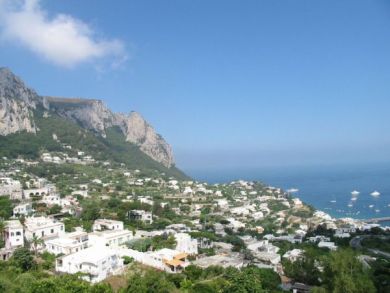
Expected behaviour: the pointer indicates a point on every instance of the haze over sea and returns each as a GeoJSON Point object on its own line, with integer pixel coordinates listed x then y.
{"type": "Point", "coordinates": [327, 188]}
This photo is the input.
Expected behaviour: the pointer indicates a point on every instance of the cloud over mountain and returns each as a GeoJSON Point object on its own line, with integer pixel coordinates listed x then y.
{"type": "Point", "coordinates": [61, 39]}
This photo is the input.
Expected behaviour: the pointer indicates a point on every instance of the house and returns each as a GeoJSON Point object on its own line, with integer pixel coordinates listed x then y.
{"type": "Point", "coordinates": [68, 243]}
{"type": "Point", "coordinates": [106, 224]}
{"type": "Point", "coordinates": [97, 263]}
{"type": "Point", "coordinates": [23, 209]}
{"type": "Point", "coordinates": [169, 260]}
{"type": "Point", "coordinates": [179, 228]}
{"type": "Point", "coordinates": [327, 244]}
{"type": "Point", "coordinates": [51, 199]}
{"type": "Point", "coordinates": [43, 227]}
{"type": "Point", "coordinates": [293, 255]}
{"type": "Point", "coordinates": [110, 238]}
{"type": "Point", "coordinates": [13, 234]}
{"type": "Point", "coordinates": [140, 215]}
{"type": "Point", "coordinates": [10, 187]}
{"type": "Point", "coordinates": [13, 238]}
{"type": "Point", "coordinates": [186, 244]}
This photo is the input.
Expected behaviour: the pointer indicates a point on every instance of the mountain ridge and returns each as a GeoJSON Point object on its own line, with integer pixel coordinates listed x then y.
{"type": "Point", "coordinates": [18, 105]}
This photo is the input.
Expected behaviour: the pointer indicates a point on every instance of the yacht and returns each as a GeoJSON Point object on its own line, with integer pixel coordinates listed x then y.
{"type": "Point", "coordinates": [375, 193]}
{"type": "Point", "coordinates": [292, 190]}
{"type": "Point", "coordinates": [355, 193]}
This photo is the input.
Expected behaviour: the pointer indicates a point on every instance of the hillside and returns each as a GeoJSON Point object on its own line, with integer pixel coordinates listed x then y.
{"type": "Point", "coordinates": [31, 124]}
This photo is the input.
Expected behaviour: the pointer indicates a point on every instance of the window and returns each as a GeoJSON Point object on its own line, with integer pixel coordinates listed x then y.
{"type": "Point", "coordinates": [18, 233]}
{"type": "Point", "coordinates": [12, 233]}
{"type": "Point", "coordinates": [52, 231]}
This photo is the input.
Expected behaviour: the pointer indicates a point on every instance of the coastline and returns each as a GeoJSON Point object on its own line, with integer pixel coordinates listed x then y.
{"type": "Point", "coordinates": [326, 188]}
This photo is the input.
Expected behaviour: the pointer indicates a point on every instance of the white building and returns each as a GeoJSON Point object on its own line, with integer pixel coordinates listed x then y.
{"type": "Point", "coordinates": [110, 238]}
{"type": "Point", "coordinates": [168, 260]}
{"type": "Point", "coordinates": [106, 224]}
{"type": "Point", "coordinates": [293, 255]}
{"type": "Point", "coordinates": [23, 209]}
{"type": "Point", "coordinates": [68, 243]}
{"type": "Point", "coordinates": [13, 234]}
{"type": "Point", "coordinates": [140, 215]}
{"type": "Point", "coordinates": [326, 244]}
{"type": "Point", "coordinates": [10, 187]}
{"type": "Point", "coordinates": [96, 262]}
{"type": "Point", "coordinates": [43, 227]}
{"type": "Point", "coordinates": [51, 199]}
{"type": "Point", "coordinates": [186, 244]}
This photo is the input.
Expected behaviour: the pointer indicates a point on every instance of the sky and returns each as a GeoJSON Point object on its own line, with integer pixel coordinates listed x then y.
{"type": "Point", "coordinates": [229, 84]}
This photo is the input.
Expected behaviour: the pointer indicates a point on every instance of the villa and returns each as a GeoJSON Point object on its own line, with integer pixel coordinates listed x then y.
{"type": "Point", "coordinates": [97, 263]}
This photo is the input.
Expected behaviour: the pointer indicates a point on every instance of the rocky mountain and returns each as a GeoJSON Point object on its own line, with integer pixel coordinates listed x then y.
{"type": "Point", "coordinates": [18, 104]}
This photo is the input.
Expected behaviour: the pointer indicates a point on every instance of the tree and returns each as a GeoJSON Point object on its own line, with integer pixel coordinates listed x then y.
{"type": "Point", "coordinates": [344, 273]}
{"type": "Point", "coordinates": [55, 209]}
{"type": "Point", "coordinates": [6, 209]}
{"type": "Point", "coordinates": [2, 228]}
{"type": "Point", "coordinates": [35, 243]}
{"type": "Point", "coordinates": [245, 281]}
{"type": "Point", "coordinates": [23, 259]}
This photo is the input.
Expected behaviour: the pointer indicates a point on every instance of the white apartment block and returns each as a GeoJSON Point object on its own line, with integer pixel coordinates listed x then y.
{"type": "Point", "coordinates": [43, 227]}
{"type": "Point", "coordinates": [96, 262]}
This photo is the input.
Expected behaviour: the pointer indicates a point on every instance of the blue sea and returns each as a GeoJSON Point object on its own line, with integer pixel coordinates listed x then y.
{"type": "Point", "coordinates": [327, 188]}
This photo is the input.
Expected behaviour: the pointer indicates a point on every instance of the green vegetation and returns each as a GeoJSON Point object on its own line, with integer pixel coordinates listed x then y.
{"type": "Point", "coordinates": [112, 148]}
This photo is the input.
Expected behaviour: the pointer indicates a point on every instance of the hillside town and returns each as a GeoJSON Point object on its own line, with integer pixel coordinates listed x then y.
{"type": "Point", "coordinates": [98, 219]}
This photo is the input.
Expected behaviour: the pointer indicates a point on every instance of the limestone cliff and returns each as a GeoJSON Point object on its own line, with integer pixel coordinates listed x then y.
{"type": "Point", "coordinates": [16, 104]}
{"type": "Point", "coordinates": [141, 133]}
{"type": "Point", "coordinates": [94, 115]}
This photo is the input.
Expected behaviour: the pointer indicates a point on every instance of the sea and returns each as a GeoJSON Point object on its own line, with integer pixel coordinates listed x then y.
{"type": "Point", "coordinates": [327, 188]}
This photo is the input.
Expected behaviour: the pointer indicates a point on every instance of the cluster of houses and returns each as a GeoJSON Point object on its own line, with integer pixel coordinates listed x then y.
{"type": "Point", "coordinates": [99, 253]}
{"type": "Point", "coordinates": [62, 158]}
{"type": "Point", "coordinates": [242, 205]}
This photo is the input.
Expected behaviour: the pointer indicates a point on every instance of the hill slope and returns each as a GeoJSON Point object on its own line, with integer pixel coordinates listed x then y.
{"type": "Point", "coordinates": [29, 123]}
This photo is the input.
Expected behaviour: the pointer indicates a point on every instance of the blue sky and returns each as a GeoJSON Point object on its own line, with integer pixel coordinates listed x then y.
{"type": "Point", "coordinates": [230, 84]}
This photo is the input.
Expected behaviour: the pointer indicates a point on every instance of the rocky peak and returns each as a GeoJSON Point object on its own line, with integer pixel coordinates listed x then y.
{"type": "Point", "coordinates": [141, 133]}
{"type": "Point", "coordinates": [89, 113]}
{"type": "Point", "coordinates": [16, 103]}
{"type": "Point", "coordinates": [12, 87]}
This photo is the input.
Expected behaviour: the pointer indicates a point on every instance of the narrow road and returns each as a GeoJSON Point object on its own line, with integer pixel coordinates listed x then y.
{"type": "Point", "coordinates": [356, 243]}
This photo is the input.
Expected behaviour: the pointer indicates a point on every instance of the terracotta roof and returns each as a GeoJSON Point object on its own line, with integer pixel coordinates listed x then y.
{"type": "Point", "coordinates": [181, 255]}
{"type": "Point", "coordinates": [174, 262]}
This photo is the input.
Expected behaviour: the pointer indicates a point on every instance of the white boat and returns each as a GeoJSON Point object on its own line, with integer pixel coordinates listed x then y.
{"type": "Point", "coordinates": [371, 206]}
{"type": "Point", "coordinates": [292, 190]}
{"type": "Point", "coordinates": [354, 198]}
{"type": "Point", "coordinates": [333, 201]}
{"type": "Point", "coordinates": [355, 193]}
{"type": "Point", "coordinates": [350, 205]}
{"type": "Point", "coordinates": [377, 211]}
{"type": "Point", "coordinates": [375, 193]}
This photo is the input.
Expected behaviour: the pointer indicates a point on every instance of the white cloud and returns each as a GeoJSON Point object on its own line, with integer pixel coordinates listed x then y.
{"type": "Point", "coordinates": [61, 39]}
